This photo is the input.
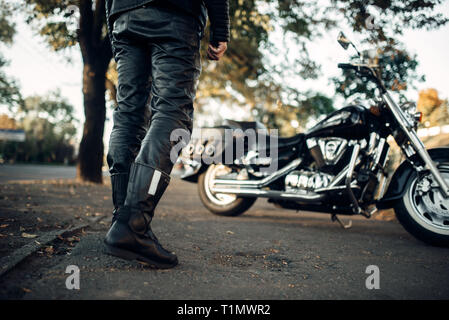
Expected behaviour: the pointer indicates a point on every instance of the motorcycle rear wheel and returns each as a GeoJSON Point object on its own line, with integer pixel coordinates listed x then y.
{"type": "Point", "coordinates": [221, 204]}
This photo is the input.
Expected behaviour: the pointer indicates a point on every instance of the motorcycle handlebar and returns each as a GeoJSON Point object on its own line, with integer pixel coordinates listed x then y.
{"type": "Point", "coordinates": [347, 66]}
{"type": "Point", "coordinates": [364, 71]}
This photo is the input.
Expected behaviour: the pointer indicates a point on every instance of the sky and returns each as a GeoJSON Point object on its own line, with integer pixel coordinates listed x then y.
{"type": "Point", "coordinates": [39, 70]}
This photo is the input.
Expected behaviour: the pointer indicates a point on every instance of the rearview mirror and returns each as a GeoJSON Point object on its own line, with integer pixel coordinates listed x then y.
{"type": "Point", "coordinates": [343, 41]}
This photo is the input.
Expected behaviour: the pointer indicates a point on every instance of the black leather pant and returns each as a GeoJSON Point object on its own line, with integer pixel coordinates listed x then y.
{"type": "Point", "coordinates": [158, 63]}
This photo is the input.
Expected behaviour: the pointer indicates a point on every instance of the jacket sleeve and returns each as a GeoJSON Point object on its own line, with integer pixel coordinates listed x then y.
{"type": "Point", "coordinates": [218, 12]}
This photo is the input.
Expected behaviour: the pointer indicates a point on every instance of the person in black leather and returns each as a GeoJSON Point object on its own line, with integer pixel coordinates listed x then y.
{"type": "Point", "coordinates": [156, 47]}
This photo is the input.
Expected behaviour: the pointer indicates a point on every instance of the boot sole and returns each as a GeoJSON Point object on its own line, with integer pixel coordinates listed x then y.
{"type": "Point", "coordinates": [129, 255]}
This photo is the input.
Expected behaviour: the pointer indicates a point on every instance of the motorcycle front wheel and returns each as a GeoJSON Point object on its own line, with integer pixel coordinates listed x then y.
{"type": "Point", "coordinates": [423, 210]}
{"type": "Point", "coordinates": [220, 204]}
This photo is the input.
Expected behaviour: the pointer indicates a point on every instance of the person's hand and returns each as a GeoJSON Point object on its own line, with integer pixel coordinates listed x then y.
{"type": "Point", "coordinates": [216, 53]}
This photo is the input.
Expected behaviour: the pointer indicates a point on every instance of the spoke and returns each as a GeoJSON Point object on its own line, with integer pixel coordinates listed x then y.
{"type": "Point", "coordinates": [438, 220]}
{"type": "Point", "coordinates": [430, 204]}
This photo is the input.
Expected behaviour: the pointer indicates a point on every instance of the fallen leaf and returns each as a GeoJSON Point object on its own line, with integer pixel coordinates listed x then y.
{"type": "Point", "coordinates": [229, 232]}
{"type": "Point", "coordinates": [50, 250]}
{"type": "Point", "coordinates": [73, 239]}
{"type": "Point", "coordinates": [26, 290]}
{"type": "Point", "coordinates": [4, 225]}
{"type": "Point", "coordinates": [28, 235]}
{"type": "Point", "coordinates": [3, 235]}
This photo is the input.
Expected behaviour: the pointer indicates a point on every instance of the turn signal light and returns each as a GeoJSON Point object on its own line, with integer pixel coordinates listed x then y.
{"type": "Point", "coordinates": [418, 117]}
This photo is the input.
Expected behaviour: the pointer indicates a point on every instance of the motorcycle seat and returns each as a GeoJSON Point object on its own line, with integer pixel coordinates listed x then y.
{"type": "Point", "coordinates": [245, 125]}
{"type": "Point", "coordinates": [289, 141]}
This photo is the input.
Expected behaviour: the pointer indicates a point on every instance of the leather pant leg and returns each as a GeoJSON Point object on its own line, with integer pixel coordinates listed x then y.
{"type": "Point", "coordinates": [164, 44]}
{"type": "Point", "coordinates": [176, 67]}
{"type": "Point", "coordinates": [156, 41]}
{"type": "Point", "coordinates": [132, 113]}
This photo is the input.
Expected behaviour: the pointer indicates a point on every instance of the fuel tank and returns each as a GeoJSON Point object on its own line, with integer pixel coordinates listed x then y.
{"type": "Point", "coordinates": [349, 123]}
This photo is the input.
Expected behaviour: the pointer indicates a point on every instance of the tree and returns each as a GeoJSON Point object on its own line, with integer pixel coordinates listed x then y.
{"type": "Point", "coordinates": [247, 75]}
{"type": "Point", "coordinates": [51, 17]}
{"type": "Point", "coordinates": [50, 128]}
{"type": "Point", "coordinates": [397, 69]}
{"type": "Point", "coordinates": [289, 119]}
{"type": "Point", "coordinates": [435, 110]}
{"type": "Point", "coordinates": [9, 89]}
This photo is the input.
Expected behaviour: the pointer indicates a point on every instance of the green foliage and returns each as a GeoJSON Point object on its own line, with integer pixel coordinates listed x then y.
{"type": "Point", "coordinates": [248, 75]}
{"type": "Point", "coordinates": [396, 67]}
{"type": "Point", "coordinates": [392, 17]}
{"type": "Point", "coordinates": [9, 89]}
{"type": "Point", "coordinates": [7, 27]}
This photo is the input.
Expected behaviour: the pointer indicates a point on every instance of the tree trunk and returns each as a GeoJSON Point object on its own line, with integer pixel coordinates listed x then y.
{"type": "Point", "coordinates": [96, 52]}
{"type": "Point", "coordinates": [90, 155]}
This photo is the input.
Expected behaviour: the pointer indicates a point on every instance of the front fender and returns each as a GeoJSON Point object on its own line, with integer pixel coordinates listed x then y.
{"type": "Point", "coordinates": [403, 173]}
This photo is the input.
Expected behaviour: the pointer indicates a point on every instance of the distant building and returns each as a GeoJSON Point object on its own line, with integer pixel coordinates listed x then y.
{"type": "Point", "coordinates": [9, 130]}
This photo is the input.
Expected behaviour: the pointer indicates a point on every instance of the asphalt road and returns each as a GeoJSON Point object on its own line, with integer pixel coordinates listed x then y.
{"type": "Point", "coordinates": [18, 172]}
{"type": "Point", "coordinates": [267, 253]}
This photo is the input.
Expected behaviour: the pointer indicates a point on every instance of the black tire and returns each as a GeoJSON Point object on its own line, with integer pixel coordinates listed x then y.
{"type": "Point", "coordinates": [414, 222]}
{"type": "Point", "coordinates": [234, 208]}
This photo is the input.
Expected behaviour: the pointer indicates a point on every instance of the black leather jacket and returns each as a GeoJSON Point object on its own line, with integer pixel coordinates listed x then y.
{"type": "Point", "coordinates": [217, 10]}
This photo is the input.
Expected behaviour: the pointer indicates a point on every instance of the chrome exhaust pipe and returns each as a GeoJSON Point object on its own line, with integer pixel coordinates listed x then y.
{"type": "Point", "coordinates": [259, 183]}
{"type": "Point", "coordinates": [273, 194]}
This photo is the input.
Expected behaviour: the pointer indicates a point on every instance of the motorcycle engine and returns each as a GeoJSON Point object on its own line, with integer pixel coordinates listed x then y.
{"type": "Point", "coordinates": [306, 180]}
{"type": "Point", "coordinates": [327, 151]}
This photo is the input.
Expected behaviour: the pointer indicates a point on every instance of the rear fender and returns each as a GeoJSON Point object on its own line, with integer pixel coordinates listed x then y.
{"type": "Point", "coordinates": [207, 146]}
{"type": "Point", "coordinates": [192, 175]}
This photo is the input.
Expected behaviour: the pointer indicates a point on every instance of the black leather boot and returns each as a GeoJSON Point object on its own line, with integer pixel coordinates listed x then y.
{"type": "Point", "coordinates": [130, 236]}
{"type": "Point", "coordinates": [119, 182]}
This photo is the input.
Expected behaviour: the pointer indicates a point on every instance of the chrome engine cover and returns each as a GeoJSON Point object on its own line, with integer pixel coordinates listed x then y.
{"type": "Point", "coordinates": [307, 180]}
{"type": "Point", "coordinates": [327, 150]}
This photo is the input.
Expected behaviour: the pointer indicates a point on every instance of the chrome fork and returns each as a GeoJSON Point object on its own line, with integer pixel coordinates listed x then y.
{"type": "Point", "coordinates": [416, 142]}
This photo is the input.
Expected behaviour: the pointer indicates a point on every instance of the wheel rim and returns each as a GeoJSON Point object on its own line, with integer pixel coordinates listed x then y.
{"type": "Point", "coordinates": [220, 199]}
{"type": "Point", "coordinates": [427, 205]}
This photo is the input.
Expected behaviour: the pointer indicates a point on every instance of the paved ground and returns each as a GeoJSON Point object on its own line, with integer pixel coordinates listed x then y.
{"type": "Point", "coordinates": [19, 172]}
{"type": "Point", "coordinates": [267, 253]}
{"type": "Point", "coordinates": [16, 172]}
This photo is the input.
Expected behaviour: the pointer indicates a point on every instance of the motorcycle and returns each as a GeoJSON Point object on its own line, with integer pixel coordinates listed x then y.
{"type": "Point", "coordinates": [339, 166]}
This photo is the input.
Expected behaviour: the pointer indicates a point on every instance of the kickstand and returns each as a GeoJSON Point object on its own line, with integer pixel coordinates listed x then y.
{"type": "Point", "coordinates": [335, 218]}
